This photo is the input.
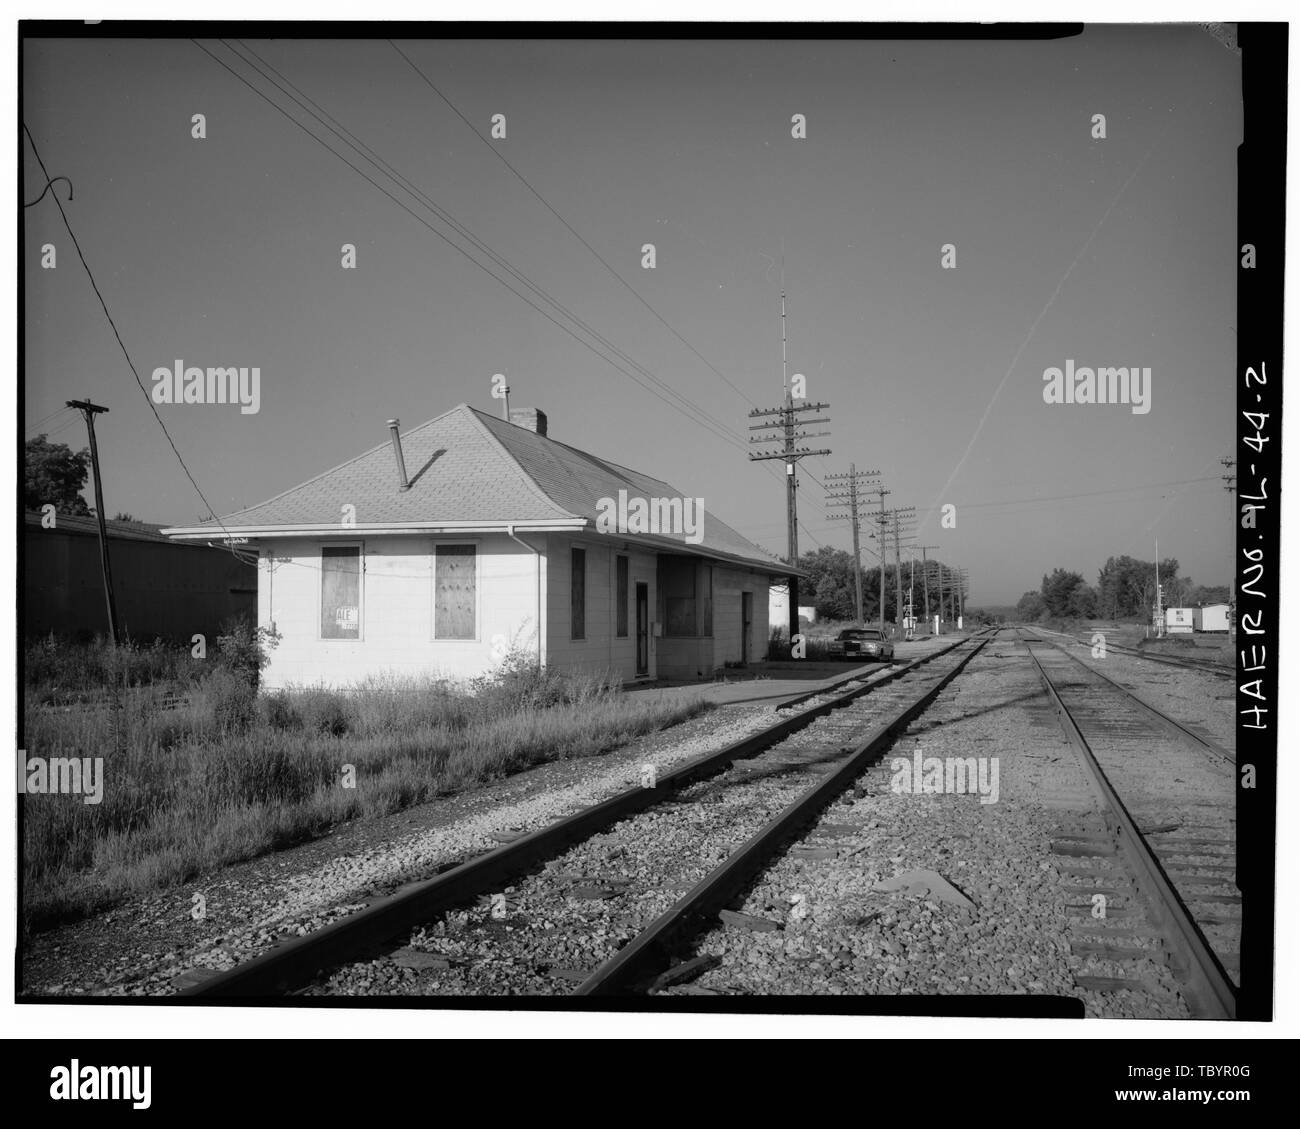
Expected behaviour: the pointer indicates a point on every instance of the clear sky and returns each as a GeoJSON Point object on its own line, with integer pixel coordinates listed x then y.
{"type": "Point", "coordinates": [226, 251]}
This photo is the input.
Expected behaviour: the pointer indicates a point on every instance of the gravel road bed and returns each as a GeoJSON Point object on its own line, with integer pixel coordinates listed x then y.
{"type": "Point", "coordinates": [548, 931]}
{"type": "Point", "coordinates": [1204, 703]}
{"type": "Point", "coordinates": [1184, 803]}
{"type": "Point", "coordinates": [1014, 917]}
{"type": "Point", "coordinates": [154, 946]}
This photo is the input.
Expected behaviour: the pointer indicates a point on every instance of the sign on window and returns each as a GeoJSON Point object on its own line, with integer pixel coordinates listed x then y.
{"type": "Point", "coordinates": [340, 592]}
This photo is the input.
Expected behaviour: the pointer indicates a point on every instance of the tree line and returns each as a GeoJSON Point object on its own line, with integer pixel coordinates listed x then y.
{"type": "Point", "coordinates": [1125, 588]}
{"type": "Point", "coordinates": [829, 586]}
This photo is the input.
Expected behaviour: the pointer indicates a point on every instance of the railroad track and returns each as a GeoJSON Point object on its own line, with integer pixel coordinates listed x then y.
{"type": "Point", "coordinates": [1203, 666]}
{"type": "Point", "coordinates": [1215, 751]}
{"type": "Point", "coordinates": [735, 807]}
{"type": "Point", "coordinates": [1169, 815]}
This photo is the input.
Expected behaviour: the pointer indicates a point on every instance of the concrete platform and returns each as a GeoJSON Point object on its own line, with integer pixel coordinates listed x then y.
{"type": "Point", "coordinates": [773, 683]}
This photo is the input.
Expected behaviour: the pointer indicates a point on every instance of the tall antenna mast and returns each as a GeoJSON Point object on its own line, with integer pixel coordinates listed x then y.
{"type": "Point", "coordinates": [786, 421]}
{"type": "Point", "coordinates": [785, 374]}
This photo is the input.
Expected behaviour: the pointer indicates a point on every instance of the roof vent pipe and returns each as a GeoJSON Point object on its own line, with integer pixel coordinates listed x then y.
{"type": "Point", "coordinates": [393, 425]}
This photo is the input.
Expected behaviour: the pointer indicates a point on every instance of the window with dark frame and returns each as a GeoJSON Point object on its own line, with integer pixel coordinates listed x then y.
{"type": "Point", "coordinates": [455, 592]}
{"type": "Point", "coordinates": [578, 595]}
{"type": "Point", "coordinates": [621, 589]}
{"type": "Point", "coordinates": [340, 592]}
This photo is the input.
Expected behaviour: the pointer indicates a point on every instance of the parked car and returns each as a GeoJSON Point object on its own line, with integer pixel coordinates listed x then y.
{"type": "Point", "coordinates": [865, 643]}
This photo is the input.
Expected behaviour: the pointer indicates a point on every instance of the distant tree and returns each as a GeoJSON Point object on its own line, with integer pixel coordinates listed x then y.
{"type": "Point", "coordinates": [1060, 592]}
{"type": "Point", "coordinates": [1208, 594]}
{"type": "Point", "coordinates": [1083, 603]}
{"type": "Point", "coordinates": [829, 587]}
{"type": "Point", "coordinates": [55, 476]}
{"type": "Point", "coordinates": [1127, 586]}
{"type": "Point", "coordinates": [1178, 590]}
{"type": "Point", "coordinates": [125, 517]}
{"type": "Point", "coordinates": [1031, 607]}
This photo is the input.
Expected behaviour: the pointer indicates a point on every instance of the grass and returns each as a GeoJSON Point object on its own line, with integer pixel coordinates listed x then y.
{"type": "Point", "coordinates": [232, 775]}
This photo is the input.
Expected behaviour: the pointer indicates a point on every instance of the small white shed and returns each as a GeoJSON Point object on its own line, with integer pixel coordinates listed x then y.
{"type": "Point", "coordinates": [1211, 617]}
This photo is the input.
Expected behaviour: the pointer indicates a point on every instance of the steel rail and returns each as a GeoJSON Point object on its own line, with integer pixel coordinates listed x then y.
{"type": "Point", "coordinates": [1205, 666]}
{"type": "Point", "coordinates": [1171, 725]}
{"type": "Point", "coordinates": [636, 961]}
{"type": "Point", "coordinates": [294, 963]}
{"type": "Point", "coordinates": [1211, 989]}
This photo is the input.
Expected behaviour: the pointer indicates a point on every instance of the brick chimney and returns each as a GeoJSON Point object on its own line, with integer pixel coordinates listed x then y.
{"type": "Point", "coordinates": [534, 419]}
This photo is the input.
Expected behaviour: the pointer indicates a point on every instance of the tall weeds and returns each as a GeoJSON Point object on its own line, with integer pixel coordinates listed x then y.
{"type": "Point", "coordinates": [230, 774]}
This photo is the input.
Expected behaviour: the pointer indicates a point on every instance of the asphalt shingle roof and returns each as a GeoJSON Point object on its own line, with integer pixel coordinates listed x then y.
{"type": "Point", "coordinates": [468, 466]}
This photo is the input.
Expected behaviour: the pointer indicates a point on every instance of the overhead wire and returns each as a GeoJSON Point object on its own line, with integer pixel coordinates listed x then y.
{"type": "Point", "coordinates": [344, 135]}
{"type": "Point", "coordinates": [717, 427]}
{"type": "Point", "coordinates": [705, 419]}
{"type": "Point", "coordinates": [113, 325]}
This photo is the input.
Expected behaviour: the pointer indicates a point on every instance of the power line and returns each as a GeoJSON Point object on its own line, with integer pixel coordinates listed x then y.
{"type": "Point", "coordinates": [716, 427]}
{"type": "Point", "coordinates": [1085, 494]}
{"type": "Point", "coordinates": [375, 159]}
{"type": "Point", "coordinates": [496, 152]}
{"type": "Point", "coordinates": [121, 344]}
{"type": "Point", "coordinates": [712, 423]}
{"type": "Point", "coordinates": [35, 428]}
{"type": "Point", "coordinates": [703, 418]}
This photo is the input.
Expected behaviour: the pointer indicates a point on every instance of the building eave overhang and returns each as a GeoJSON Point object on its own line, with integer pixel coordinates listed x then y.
{"type": "Point", "coordinates": [396, 528]}
{"type": "Point", "coordinates": [576, 525]}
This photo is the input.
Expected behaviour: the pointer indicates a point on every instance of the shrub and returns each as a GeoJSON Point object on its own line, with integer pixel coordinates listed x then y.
{"type": "Point", "coordinates": [522, 684]}
{"type": "Point", "coordinates": [323, 711]}
{"type": "Point", "coordinates": [279, 712]}
{"type": "Point", "coordinates": [245, 650]}
{"type": "Point", "coordinates": [57, 670]}
{"type": "Point", "coordinates": [397, 704]}
{"type": "Point", "coordinates": [231, 699]}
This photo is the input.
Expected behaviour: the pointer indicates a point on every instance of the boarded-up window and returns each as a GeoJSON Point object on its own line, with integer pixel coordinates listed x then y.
{"type": "Point", "coordinates": [621, 588]}
{"type": "Point", "coordinates": [677, 584]}
{"type": "Point", "coordinates": [455, 592]}
{"type": "Point", "coordinates": [340, 592]}
{"type": "Point", "coordinates": [686, 586]}
{"type": "Point", "coordinates": [578, 594]}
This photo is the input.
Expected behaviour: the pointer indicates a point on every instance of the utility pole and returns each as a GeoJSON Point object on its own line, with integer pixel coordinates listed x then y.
{"type": "Point", "coordinates": [843, 489]}
{"type": "Point", "coordinates": [1160, 615]}
{"type": "Point", "coordinates": [925, 582]}
{"type": "Point", "coordinates": [962, 578]}
{"type": "Point", "coordinates": [881, 517]}
{"type": "Point", "coordinates": [1230, 485]}
{"type": "Point", "coordinates": [941, 570]}
{"type": "Point", "coordinates": [89, 411]}
{"type": "Point", "coordinates": [1230, 482]}
{"type": "Point", "coordinates": [787, 421]}
{"type": "Point", "coordinates": [889, 522]}
{"type": "Point", "coordinates": [909, 618]}
{"type": "Point", "coordinates": [899, 516]}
